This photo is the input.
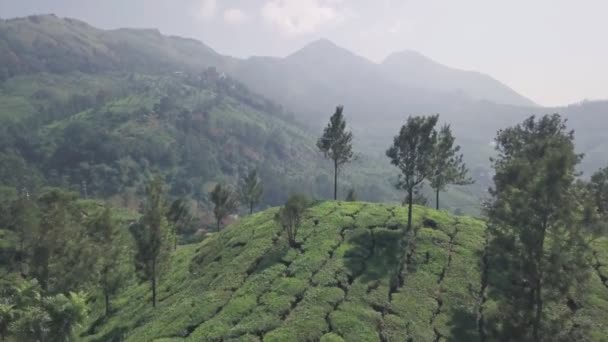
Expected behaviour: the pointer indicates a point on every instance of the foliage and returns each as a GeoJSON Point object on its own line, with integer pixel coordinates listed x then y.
{"type": "Point", "coordinates": [251, 190]}
{"type": "Point", "coordinates": [114, 259]}
{"type": "Point", "coordinates": [152, 235]}
{"type": "Point", "coordinates": [599, 190]}
{"type": "Point", "coordinates": [290, 216]}
{"type": "Point", "coordinates": [181, 218]}
{"type": "Point", "coordinates": [351, 196]}
{"type": "Point", "coordinates": [225, 203]}
{"type": "Point", "coordinates": [246, 281]}
{"type": "Point", "coordinates": [29, 315]}
{"type": "Point", "coordinates": [447, 165]}
{"type": "Point", "coordinates": [336, 143]}
{"type": "Point", "coordinates": [537, 228]}
{"type": "Point", "coordinates": [412, 153]}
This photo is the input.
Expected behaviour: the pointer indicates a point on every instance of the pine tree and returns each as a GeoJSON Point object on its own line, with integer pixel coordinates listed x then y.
{"type": "Point", "coordinates": [412, 153]}
{"type": "Point", "coordinates": [225, 202]}
{"type": "Point", "coordinates": [448, 165]}
{"type": "Point", "coordinates": [251, 190]}
{"type": "Point", "coordinates": [535, 220]}
{"type": "Point", "coordinates": [336, 144]}
{"type": "Point", "coordinates": [153, 236]}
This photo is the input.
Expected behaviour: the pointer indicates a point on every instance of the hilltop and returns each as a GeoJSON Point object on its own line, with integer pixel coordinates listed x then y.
{"type": "Point", "coordinates": [343, 283]}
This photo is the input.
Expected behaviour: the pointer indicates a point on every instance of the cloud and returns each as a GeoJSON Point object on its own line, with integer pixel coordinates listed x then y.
{"type": "Point", "coordinates": [293, 17]}
{"type": "Point", "coordinates": [206, 9]}
{"type": "Point", "coordinates": [235, 16]}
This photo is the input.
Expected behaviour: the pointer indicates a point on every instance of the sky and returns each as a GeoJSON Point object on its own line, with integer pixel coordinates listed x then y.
{"type": "Point", "coordinates": [554, 52]}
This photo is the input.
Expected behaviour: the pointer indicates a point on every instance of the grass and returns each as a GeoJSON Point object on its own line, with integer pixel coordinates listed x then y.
{"type": "Point", "coordinates": [245, 284]}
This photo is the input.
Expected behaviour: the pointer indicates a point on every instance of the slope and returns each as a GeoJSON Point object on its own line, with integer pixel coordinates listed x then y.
{"type": "Point", "coordinates": [413, 69]}
{"type": "Point", "coordinates": [343, 283]}
{"type": "Point", "coordinates": [58, 45]}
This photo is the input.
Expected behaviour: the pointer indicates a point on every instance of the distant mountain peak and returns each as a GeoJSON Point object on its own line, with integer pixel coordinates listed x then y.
{"type": "Point", "coordinates": [325, 50]}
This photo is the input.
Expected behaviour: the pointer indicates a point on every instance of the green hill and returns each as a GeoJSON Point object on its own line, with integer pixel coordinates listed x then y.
{"type": "Point", "coordinates": [343, 283]}
{"type": "Point", "coordinates": [107, 132]}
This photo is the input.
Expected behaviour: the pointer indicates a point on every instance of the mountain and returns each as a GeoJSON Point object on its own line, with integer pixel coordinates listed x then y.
{"type": "Point", "coordinates": [95, 123]}
{"type": "Point", "coordinates": [309, 83]}
{"type": "Point", "coordinates": [413, 69]}
{"type": "Point", "coordinates": [47, 43]}
{"type": "Point", "coordinates": [246, 284]}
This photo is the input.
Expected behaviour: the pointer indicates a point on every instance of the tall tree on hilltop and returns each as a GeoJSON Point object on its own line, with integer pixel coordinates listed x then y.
{"type": "Point", "coordinates": [336, 144]}
{"type": "Point", "coordinates": [538, 234]}
{"type": "Point", "coordinates": [225, 202]}
{"type": "Point", "coordinates": [251, 190]}
{"type": "Point", "coordinates": [448, 166]}
{"type": "Point", "coordinates": [153, 236]}
{"type": "Point", "coordinates": [412, 153]}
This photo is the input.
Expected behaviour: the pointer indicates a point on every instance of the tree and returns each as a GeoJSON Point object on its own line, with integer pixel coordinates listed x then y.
{"type": "Point", "coordinates": [225, 203]}
{"type": "Point", "coordinates": [180, 217]}
{"type": "Point", "coordinates": [152, 235]}
{"type": "Point", "coordinates": [599, 190]}
{"type": "Point", "coordinates": [37, 316]}
{"type": "Point", "coordinates": [290, 216]}
{"type": "Point", "coordinates": [351, 196]}
{"type": "Point", "coordinates": [251, 190]}
{"type": "Point", "coordinates": [7, 314]}
{"type": "Point", "coordinates": [24, 221]}
{"type": "Point", "coordinates": [448, 166]}
{"type": "Point", "coordinates": [412, 153]}
{"type": "Point", "coordinates": [336, 144]}
{"type": "Point", "coordinates": [62, 253]}
{"type": "Point", "coordinates": [112, 252]}
{"type": "Point", "coordinates": [535, 221]}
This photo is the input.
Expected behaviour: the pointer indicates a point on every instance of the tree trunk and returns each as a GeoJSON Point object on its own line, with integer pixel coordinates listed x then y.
{"type": "Point", "coordinates": [437, 199]}
{"type": "Point", "coordinates": [107, 298]}
{"type": "Point", "coordinates": [410, 203]}
{"type": "Point", "coordinates": [250, 208]}
{"type": "Point", "coordinates": [154, 283]}
{"type": "Point", "coordinates": [335, 180]}
{"type": "Point", "coordinates": [219, 222]}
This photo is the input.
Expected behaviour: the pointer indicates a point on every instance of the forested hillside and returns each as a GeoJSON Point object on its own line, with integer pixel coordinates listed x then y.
{"type": "Point", "coordinates": [105, 133]}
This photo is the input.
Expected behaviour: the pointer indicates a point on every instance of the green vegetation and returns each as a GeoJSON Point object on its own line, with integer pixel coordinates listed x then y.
{"type": "Point", "coordinates": [251, 190]}
{"type": "Point", "coordinates": [447, 166]}
{"type": "Point", "coordinates": [141, 155]}
{"type": "Point", "coordinates": [412, 152]}
{"type": "Point", "coordinates": [226, 203]}
{"type": "Point", "coordinates": [245, 283]}
{"type": "Point", "coordinates": [336, 144]}
{"type": "Point", "coordinates": [152, 235]}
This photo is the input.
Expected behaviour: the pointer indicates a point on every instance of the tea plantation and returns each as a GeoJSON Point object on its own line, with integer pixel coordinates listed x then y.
{"type": "Point", "coordinates": [347, 281]}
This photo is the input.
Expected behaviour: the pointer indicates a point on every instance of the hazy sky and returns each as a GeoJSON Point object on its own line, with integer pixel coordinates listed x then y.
{"type": "Point", "coordinates": [553, 51]}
